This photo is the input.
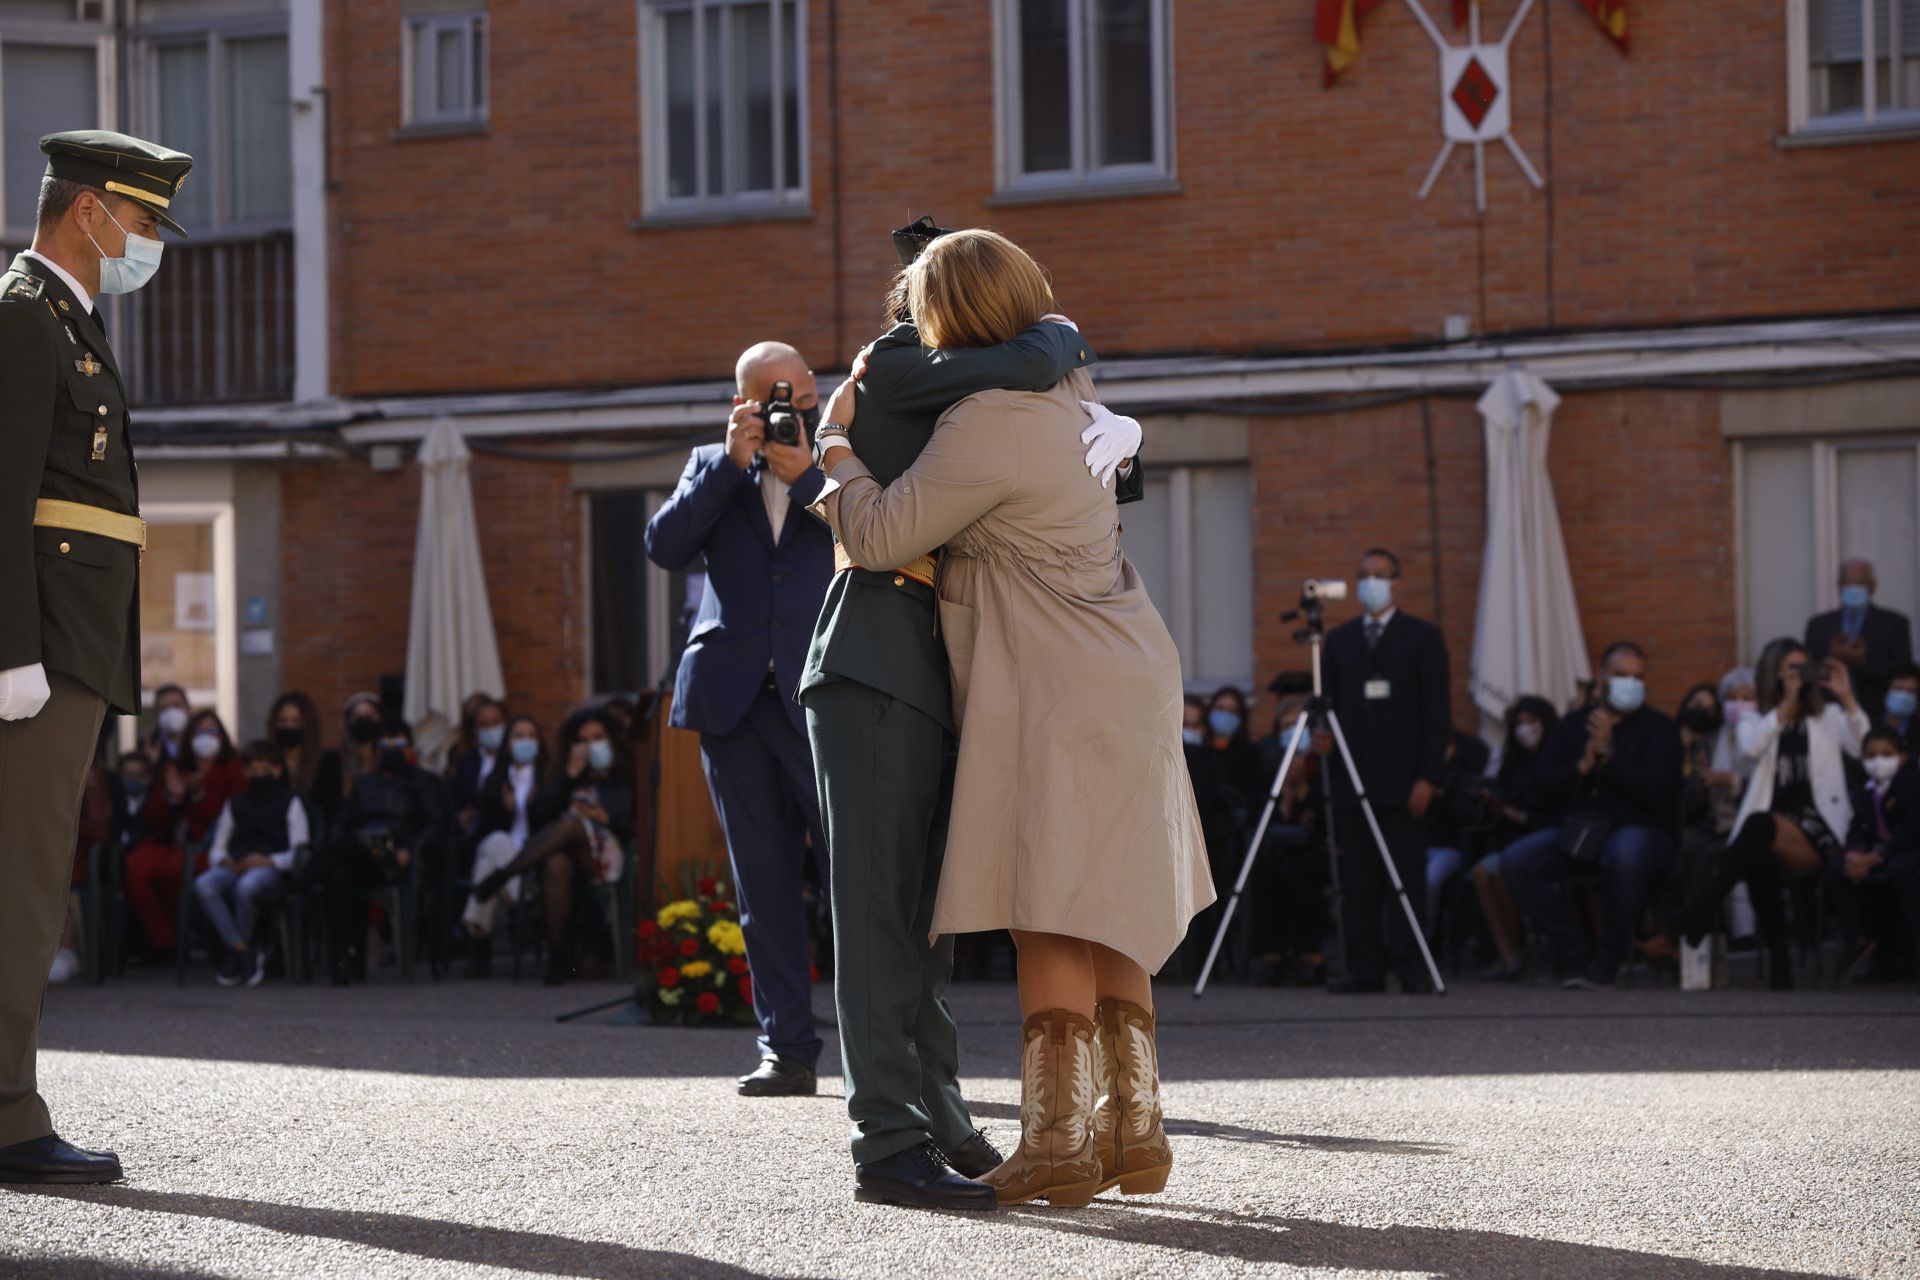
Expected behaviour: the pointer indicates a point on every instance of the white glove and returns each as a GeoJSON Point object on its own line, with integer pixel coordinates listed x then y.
{"type": "Point", "coordinates": [1111, 440]}
{"type": "Point", "coordinates": [23, 691]}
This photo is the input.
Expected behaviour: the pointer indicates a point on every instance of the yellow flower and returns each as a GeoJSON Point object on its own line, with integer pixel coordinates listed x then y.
{"type": "Point", "coordinates": [695, 969]}
{"type": "Point", "coordinates": [726, 937]}
{"type": "Point", "coordinates": [675, 912]}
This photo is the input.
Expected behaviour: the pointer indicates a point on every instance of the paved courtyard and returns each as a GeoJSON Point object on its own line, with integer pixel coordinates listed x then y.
{"type": "Point", "coordinates": [456, 1129]}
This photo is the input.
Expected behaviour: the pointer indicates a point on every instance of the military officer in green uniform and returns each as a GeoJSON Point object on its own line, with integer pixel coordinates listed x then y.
{"type": "Point", "coordinates": [70, 544]}
{"type": "Point", "coordinates": [880, 718]}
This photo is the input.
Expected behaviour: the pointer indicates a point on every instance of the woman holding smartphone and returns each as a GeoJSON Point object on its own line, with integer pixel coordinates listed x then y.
{"type": "Point", "coordinates": [1796, 810]}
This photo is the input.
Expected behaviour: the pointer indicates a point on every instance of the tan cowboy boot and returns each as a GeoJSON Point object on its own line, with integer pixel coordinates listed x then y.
{"type": "Point", "coordinates": [1135, 1155]}
{"type": "Point", "coordinates": [1056, 1160]}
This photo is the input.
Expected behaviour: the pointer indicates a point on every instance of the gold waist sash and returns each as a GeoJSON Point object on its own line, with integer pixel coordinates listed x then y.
{"type": "Point", "coordinates": [53, 513]}
{"type": "Point", "coordinates": [921, 570]}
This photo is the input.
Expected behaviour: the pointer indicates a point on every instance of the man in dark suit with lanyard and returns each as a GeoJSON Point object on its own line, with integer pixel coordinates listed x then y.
{"type": "Point", "coordinates": [743, 505]}
{"type": "Point", "coordinates": [70, 544]}
{"type": "Point", "coordinates": [1872, 641]}
{"type": "Point", "coordinates": [1386, 676]}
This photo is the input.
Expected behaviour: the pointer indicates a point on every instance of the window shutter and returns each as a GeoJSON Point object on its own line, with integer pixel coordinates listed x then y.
{"type": "Point", "coordinates": [1833, 31]}
{"type": "Point", "coordinates": [49, 88]}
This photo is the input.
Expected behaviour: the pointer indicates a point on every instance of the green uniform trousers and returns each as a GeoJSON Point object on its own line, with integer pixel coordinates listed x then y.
{"type": "Point", "coordinates": [43, 773]}
{"type": "Point", "coordinates": [885, 786]}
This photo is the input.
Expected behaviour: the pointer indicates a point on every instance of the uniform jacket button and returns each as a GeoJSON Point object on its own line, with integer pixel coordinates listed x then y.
{"type": "Point", "coordinates": [103, 411]}
{"type": "Point", "coordinates": [899, 580]}
{"type": "Point", "coordinates": [65, 548]}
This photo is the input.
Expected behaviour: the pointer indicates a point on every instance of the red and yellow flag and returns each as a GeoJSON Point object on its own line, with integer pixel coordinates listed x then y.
{"type": "Point", "coordinates": [1336, 24]}
{"type": "Point", "coordinates": [1612, 17]}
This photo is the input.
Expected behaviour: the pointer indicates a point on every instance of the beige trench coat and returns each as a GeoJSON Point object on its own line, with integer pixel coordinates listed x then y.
{"type": "Point", "coordinates": [1073, 812]}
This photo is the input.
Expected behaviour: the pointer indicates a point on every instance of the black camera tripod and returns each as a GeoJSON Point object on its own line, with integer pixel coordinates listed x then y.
{"type": "Point", "coordinates": [1314, 634]}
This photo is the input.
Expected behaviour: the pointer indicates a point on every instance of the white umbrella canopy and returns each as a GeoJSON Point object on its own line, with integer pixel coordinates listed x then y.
{"type": "Point", "coordinates": [451, 649]}
{"type": "Point", "coordinates": [1526, 637]}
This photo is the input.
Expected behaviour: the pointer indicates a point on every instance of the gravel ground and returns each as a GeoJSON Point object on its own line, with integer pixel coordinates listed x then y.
{"type": "Point", "coordinates": [455, 1129]}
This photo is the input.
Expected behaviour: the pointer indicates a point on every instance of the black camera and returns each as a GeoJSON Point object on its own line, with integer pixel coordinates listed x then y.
{"type": "Point", "coordinates": [783, 420]}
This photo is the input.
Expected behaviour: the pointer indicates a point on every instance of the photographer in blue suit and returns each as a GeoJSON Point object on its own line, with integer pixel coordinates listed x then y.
{"type": "Point", "coordinates": [743, 505]}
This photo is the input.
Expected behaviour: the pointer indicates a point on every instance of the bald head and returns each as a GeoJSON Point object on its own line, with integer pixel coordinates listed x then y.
{"type": "Point", "coordinates": [1857, 572]}
{"type": "Point", "coordinates": [765, 363]}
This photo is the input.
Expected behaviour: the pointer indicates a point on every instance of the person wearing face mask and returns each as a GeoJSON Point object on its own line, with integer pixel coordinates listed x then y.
{"type": "Point", "coordinates": [1872, 641]}
{"type": "Point", "coordinates": [259, 834]}
{"type": "Point", "coordinates": [1609, 779]}
{"type": "Point", "coordinates": [293, 725]}
{"type": "Point", "coordinates": [1900, 711]}
{"type": "Point", "coordinates": [1796, 809]}
{"type": "Point", "coordinates": [1287, 892]}
{"type": "Point", "coordinates": [1387, 678]}
{"type": "Point", "coordinates": [592, 793]}
{"type": "Point", "coordinates": [357, 755]}
{"type": "Point", "coordinates": [395, 815]}
{"type": "Point", "coordinates": [1514, 809]}
{"type": "Point", "coordinates": [171, 709]}
{"type": "Point", "coordinates": [1229, 789]}
{"type": "Point", "coordinates": [69, 571]}
{"type": "Point", "coordinates": [512, 806]}
{"type": "Point", "coordinates": [483, 733]}
{"type": "Point", "coordinates": [181, 808]}
{"type": "Point", "coordinates": [1872, 884]}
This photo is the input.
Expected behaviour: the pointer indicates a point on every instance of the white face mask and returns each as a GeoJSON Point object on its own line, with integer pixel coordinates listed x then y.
{"type": "Point", "coordinates": [136, 265]}
{"type": "Point", "coordinates": [1881, 768]}
{"type": "Point", "coordinates": [1527, 735]}
{"type": "Point", "coordinates": [173, 721]}
{"type": "Point", "coordinates": [1738, 709]}
{"type": "Point", "coordinates": [206, 745]}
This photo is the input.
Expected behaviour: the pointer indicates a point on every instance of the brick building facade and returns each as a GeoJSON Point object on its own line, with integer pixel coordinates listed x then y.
{"type": "Point", "coordinates": [558, 222]}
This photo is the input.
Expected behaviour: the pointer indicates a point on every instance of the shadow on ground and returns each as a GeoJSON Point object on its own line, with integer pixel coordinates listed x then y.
{"type": "Point", "coordinates": [1332, 1246]}
{"type": "Point", "coordinates": [531, 1252]}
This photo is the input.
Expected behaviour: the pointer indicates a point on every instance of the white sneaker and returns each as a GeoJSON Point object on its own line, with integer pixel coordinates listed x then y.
{"type": "Point", "coordinates": [258, 974]}
{"type": "Point", "coordinates": [66, 966]}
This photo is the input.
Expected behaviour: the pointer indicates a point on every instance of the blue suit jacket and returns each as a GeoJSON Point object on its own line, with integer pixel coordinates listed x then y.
{"type": "Point", "coordinates": [763, 592]}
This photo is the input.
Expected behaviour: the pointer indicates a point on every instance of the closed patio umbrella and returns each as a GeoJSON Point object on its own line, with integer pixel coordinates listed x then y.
{"type": "Point", "coordinates": [451, 649]}
{"type": "Point", "coordinates": [1526, 636]}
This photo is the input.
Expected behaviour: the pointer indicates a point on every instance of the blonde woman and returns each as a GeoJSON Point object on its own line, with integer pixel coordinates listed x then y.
{"type": "Point", "coordinates": [1073, 821]}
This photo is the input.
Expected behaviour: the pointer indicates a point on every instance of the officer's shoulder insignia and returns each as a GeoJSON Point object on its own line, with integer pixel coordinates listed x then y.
{"type": "Point", "coordinates": [26, 289]}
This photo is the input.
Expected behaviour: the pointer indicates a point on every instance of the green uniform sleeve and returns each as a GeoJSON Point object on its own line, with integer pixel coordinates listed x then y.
{"type": "Point", "coordinates": [28, 383]}
{"type": "Point", "coordinates": [917, 380]}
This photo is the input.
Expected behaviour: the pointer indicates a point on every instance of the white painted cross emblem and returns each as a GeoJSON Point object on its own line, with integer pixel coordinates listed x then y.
{"type": "Point", "coordinates": [1475, 98]}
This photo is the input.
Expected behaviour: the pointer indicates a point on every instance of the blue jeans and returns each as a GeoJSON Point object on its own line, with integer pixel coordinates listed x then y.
{"type": "Point", "coordinates": [247, 889]}
{"type": "Point", "coordinates": [1443, 864]}
{"type": "Point", "coordinates": [1631, 860]}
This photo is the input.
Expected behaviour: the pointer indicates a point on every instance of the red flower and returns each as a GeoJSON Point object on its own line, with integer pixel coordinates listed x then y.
{"type": "Point", "coordinates": [648, 928]}
{"type": "Point", "coordinates": [689, 947]}
{"type": "Point", "coordinates": [746, 989]}
{"type": "Point", "coordinates": [708, 1002]}
{"type": "Point", "coordinates": [668, 977]}
{"type": "Point", "coordinates": [707, 887]}
{"type": "Point", "coordinates": [737, 965]}
{"type": "Point", "coordinates": [723, 908]}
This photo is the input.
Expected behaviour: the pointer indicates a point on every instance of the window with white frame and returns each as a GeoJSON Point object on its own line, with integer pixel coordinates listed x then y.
{"type": "Point", "coordinates": [445, 69]}
{"type": "Point", "coordinates": [726, 105]}
{"type": "Point", "coordinates": [1191, 539]}
{"type": "Point", "coordinates": [1858, 64]}
{"type": "Point", "coordinates": [1085, 94]}
{"type": "Point", "coordinates": [51, 79]}
{"type": "Point", "coordinates": [1806, 506]}
{"type": "Point", "coordinates": [223, 97]}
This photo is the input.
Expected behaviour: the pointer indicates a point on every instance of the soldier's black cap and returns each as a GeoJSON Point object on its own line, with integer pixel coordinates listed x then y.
{"type": "Point", "coordinates": [910, 241]}
{"type": "Point", "coordinates": [141, 171]}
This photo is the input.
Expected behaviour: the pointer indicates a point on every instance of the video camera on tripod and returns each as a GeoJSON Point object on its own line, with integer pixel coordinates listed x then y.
{"type": "Point", "coordinates": [1315, 593]}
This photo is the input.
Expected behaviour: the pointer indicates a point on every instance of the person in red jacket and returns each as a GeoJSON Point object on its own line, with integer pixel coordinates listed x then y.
{"type": "Point", "coordinates": [184, 803]}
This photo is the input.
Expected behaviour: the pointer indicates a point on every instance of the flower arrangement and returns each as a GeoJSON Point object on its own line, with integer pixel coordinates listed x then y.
{"type": "Point", "coordinates": [693, 960]}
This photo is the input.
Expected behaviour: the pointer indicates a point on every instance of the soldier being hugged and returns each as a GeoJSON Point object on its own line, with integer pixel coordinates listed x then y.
{"type": "Point", "coordinates": [70, 544]}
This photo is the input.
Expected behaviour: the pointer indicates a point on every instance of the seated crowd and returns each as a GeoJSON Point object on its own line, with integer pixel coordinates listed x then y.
{"type": "Point", "coordinates": [1780, 803]}
{"type": "Point", "coordinates": [193, 841]}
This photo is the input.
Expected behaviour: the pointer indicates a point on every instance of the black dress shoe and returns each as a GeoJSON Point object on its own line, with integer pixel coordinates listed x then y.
{"type": "Point", "coordinates": [49, 1160]}
{"type": "Point", "coordinates": [919, 1178]}
{"type": "Point", "coordinates": [1352, 985]}
{"type": "Point", "coordinates": [975, 1157]}
{"type": "Point", "coordinates": [777, 1077]}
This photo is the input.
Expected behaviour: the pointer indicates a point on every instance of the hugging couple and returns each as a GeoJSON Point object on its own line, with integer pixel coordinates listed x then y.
{"type": "Point", "coordinates": [967, 509]}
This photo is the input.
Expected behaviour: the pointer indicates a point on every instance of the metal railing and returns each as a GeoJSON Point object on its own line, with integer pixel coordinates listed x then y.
{"type": "Point", "coordinates": [215, 326]}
